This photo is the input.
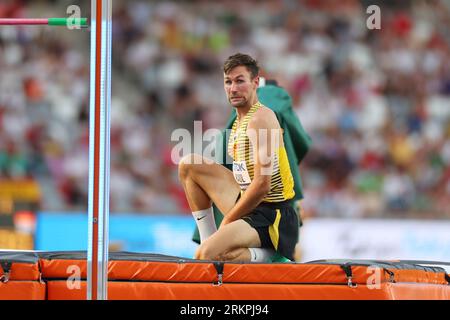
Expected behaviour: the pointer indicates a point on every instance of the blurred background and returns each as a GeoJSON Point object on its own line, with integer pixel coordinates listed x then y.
{"type": "Point", "coordinates": [375, 102]}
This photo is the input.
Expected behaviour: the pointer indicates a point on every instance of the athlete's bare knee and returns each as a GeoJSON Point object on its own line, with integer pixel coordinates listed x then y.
{"type": "Point", "coordinates": [183, 170]}
{"type": "Point", "coordinates": [185, 166]}
{"type": "Point", "coordinates": [190, 164]}
{"type": "Point", "coordinates": [205, 252]}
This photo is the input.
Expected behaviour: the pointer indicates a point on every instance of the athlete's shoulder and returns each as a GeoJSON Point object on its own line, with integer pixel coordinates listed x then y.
{"type": "Point", "coordinates": [265, 111]}
{"type": "Point", "coordinates": [264, 117]}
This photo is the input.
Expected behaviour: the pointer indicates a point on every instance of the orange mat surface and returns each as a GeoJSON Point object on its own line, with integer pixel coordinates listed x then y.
{"type": "Point", "coordinates": [134, 276]}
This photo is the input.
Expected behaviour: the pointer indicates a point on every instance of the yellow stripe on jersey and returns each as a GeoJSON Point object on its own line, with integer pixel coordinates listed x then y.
{"type": "Point", "coordinates": [240, 149]}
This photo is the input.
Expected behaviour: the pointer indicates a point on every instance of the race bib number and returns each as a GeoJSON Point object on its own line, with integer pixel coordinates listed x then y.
{"type": "Point", "coordinates": [240, 173]}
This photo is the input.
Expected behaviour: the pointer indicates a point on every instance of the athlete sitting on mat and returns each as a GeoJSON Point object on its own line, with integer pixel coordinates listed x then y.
{"type": "Point", "coordinates": [259, 221]}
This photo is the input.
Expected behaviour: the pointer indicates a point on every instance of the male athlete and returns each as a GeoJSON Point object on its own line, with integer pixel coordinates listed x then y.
{"type": "Point", "coordinates": [259, 220]}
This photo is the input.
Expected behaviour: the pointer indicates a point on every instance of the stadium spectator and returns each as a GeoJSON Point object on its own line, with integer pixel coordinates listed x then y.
{"type": "Point", "coordinates": [376, 102]}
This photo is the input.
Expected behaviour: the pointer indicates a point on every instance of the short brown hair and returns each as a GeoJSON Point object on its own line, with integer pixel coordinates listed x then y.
{"type": "Point", "coordinates": [240, 59]}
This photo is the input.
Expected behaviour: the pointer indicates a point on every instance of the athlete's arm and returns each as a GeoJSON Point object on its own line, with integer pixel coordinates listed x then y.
{"type": "Point", "coordinates": [263, 131]}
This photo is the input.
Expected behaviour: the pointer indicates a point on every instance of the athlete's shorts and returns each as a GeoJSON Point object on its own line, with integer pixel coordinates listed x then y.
{"type": "Point", "coordinates": [277, 226]}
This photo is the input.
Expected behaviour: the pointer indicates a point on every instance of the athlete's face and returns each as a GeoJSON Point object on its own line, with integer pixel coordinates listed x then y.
{"type": "Point", "coordinates": [240, 87]}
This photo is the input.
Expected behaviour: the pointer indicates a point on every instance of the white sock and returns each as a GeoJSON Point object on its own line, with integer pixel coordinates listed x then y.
{"type": "Point", "coordinates": [205, 223]}
{"type": "Point", "coordinates": [261, 254]}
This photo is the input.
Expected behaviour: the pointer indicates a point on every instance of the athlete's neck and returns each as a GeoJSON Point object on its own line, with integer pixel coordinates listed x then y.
{"type": "Point", "coordinates": [242, 111]}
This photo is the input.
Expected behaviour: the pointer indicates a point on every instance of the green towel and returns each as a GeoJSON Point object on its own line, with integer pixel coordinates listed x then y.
{"type": "Point", "coordinates": [279, 258]}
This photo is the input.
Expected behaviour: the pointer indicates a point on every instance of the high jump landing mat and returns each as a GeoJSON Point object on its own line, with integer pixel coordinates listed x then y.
{"type": "Point", "coordinates": [138, 276]}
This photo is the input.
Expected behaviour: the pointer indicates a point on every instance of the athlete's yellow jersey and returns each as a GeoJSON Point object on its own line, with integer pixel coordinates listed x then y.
{"type": "Point", "coordinates": [241, 150]}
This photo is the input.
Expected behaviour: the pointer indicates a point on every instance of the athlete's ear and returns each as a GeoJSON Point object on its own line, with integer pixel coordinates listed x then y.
{"type": "Point", "coordinates": [256, 81]}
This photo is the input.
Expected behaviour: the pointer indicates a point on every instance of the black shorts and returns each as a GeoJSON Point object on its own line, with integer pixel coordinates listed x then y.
{"type": "Point", "coordinates": [277, 226]}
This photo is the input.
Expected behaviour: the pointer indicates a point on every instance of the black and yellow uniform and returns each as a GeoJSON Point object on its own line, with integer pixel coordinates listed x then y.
{"type": "Point", "coordinates": [274, 218]}
{"type": "Point", "coordinates": [241, 151]}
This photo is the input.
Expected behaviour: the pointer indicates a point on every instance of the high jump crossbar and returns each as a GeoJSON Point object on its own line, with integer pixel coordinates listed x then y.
{"type": "Point", "coordinates": [43, 21]}
{"type": "Point", "coordinates": [99, 137]}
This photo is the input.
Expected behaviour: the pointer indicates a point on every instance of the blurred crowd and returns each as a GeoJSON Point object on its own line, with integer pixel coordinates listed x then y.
{"type": "Point", "coordinates": [375, 102]}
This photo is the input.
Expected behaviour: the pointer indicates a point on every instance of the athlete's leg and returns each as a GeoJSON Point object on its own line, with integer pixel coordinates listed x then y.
{"type": "Point", "coordinates": [205, 181]}
{"type": "Point", "coordinates": [249, 254]}
{"type": "Point", "coordinates": [230, 242]}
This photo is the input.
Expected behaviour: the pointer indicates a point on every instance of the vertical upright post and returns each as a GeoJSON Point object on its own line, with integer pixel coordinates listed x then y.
{"type": "Point", "coordinates": [99, 148]}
